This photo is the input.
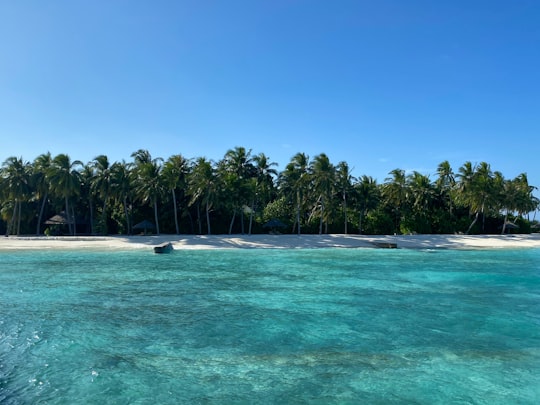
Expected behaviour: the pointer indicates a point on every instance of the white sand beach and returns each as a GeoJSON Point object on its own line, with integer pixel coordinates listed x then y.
{"type": "Point", "coordinates": [271, 241]}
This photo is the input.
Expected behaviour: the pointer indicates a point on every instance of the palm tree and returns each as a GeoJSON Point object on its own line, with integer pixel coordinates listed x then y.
{"type": "Point", "coordinates": [475, 189]}
{"type": "Point", "coordinates": [16, 178]}
{"type": "Point", "coordinates": [515, 196]}
{"type": "Point", "coordinates": [101, 185]}
{"type": "Point", "coordinates": [264, 183]}
{"type": "Point", "coordinates": [121, 188]}
{"type": "Point", "coordinates": [294, 183]}
{"type": "Point", "coordinates": [142, 156]}
{"type": "Point", "coordinates": [323, 173]}
{"type": "Point", "coordinates": [202, 187]}
{"type": "Point", "coordinates": [237, 171]}
{"type": "Point", "coordinates": [507, 196]}
{"type": "Point", "coordinates": [344, 185]}
{"type": "Point", "coordinates": [395, 193]}
{"type": "Point", "coordinates": [65, 183]}
{"type": "Point", "coordinates": [465, 185]}
{"type": "Point", "coordinates": [148, 184]}
{"type": "Point", "coordinates": [41, 169]}
{"type": "Point", "coordinates": [368, 197]}
{"type": "Point", "coordinates": [526, 201]}
{"type": "Point", "coordinates": [421, 194]}
{"type": "Point", "coordinates": [87, 177]}
{"type": "Point", "coordinates": [445, 183]}
{"type": "Point", "coordinates": [175, 172]}
{"type": "Point", "coordinates": [421, 191]}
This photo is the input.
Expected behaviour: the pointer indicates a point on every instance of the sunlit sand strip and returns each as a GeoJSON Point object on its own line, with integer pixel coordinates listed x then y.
{"type": "Point", "coordinates": [271, 241]}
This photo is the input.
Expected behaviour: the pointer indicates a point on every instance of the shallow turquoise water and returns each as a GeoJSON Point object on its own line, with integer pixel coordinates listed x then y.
{"type": "Point", "coordinates": [270, 326]}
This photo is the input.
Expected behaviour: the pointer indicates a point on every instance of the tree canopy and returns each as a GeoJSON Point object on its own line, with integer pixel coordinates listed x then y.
{"type": "Point", "coordinates": [243, 191]}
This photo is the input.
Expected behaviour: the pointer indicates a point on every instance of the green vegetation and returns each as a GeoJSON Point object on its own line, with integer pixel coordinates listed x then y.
{"type": "Point", "coordinates": [242, 191]}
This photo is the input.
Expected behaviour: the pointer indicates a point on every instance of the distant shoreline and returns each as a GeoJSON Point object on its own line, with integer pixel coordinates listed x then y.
{"type": "Point", "coordinates": [194, 242]}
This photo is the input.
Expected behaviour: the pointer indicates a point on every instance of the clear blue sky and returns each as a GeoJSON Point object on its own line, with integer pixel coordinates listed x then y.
{"type": "Point", "coordinates": [380, 84]}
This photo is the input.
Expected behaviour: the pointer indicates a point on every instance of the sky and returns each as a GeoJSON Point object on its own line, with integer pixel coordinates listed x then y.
{"type": "Point", "coordinates": [379, 84]}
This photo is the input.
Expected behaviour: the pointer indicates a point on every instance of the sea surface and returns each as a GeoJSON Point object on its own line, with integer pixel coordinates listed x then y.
{"type": "Point", "coordinates": [315, 326]}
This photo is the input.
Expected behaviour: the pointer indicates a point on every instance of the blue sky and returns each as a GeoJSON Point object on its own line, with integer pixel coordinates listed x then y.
{"type": "Point", "coordinates": [379, 84]}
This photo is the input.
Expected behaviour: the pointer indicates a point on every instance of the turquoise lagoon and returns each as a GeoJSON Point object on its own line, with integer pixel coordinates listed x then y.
{"type": "Point", "coordinates": [325, 326]}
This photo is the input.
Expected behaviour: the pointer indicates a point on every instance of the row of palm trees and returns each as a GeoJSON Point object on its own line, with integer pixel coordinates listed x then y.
{"type": "Point", "coordinates": [242, 191]}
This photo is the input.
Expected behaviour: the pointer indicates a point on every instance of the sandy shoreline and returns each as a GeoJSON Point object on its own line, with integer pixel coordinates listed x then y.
{"type": "Point", "coordinates": [271, 241]}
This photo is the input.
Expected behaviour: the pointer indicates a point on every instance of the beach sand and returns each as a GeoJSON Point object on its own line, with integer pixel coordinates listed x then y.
{"type": "Point", "coordinates": [271, 241]}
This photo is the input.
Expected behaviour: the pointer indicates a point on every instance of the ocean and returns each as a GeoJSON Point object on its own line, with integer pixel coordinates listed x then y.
{"type": "Point", "coordinates": [270, 326]}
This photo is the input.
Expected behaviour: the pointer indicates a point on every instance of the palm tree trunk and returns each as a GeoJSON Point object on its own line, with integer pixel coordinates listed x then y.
{"type": "Point", "coordinates": [242, 221]}
{"type": "Point", "coordinates": [38, 229]}
{"type": "Point", "coordinates": [473, 222]}
{"type": "Point", "coordinates": [91, 209]}
{"type": "Point", "coordinates": [128, 226]}
{"type": "Point", "coordinates": [504, 224]}
{"type": "Point", "coordinates": [451, 213]}
{"type": "Point", "coordinates": [11, 223]}
{"type": "Point", "coordinates": [175, 213]}
{"type": "Point", "coordinates": [14, 217]}
{"type": "Point", "coordinates": [360, 217]}
{"type": "Point", "coordinates": [322, 214]}
{"type": "Point", "coordinates": [251, 215]}
{"type": "Point", "coordinates": [68, 216]}
{"type": "Point", "coordinates": [483, 220]}
{"type": "Point", "coordinates": [232, 222]}
{"type": "Point", "coordinates": [208, 217]}
{"type": "Point", "coordinates": [19, 219]}
{"type": "Point", "coordinates": [156, 215]}
{"type": "Point", "coordinates": [345, 211]}
{"type": "Point", "coordinates": [11, 227]}
{"type": "Point", "coordinates": [298, 211]}
{"type": "Point", "coordinates": [104, 217]}
{"type": "Point", "coordinates": [199, 218]}
{"type": "Point", "coordinates": [74, 221]}
{"type": "Point", "coordinates": [298, 217]}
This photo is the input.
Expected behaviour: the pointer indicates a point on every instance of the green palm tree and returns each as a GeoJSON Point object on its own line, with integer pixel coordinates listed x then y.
{"type": "Point", "coordinates": [101, 185]}
{"type": "Point", "coordinates": [202, 188]}
{"type": "Point", "coordinates": [87, 177]}
{"type": "Point", "coordinates": [237, 170]}
{"type": "Point", "coordinates": [395, 193]}
{"type": "Point", "coordinates": [142, 156]}
{"type": "Point", "coordinates": [507, 193]}
{"type": "Point", "coordinates": [421, 191]}
{"type": "Point", "coordinates": [175, 171]}
{"type": "Point", "coordinates": [368, 197]}
{"type": "Point", "coordinates": [476, 190]}
{"type": "Point", "coordinates": [264, 188]}
{"type": "Point", "coordinates": [265, 176]}
{"type": "Point", "coordinates": [465, 184]}
{"type": "Point", "coordinates": [515, 196]}
{"type": "Point", "coordinates": [344, 181]}
{"type": "Point", "coordinates": [41, 167]}
{"type": "Point", "coordinates": [122, 188]}
{"type": "Point", "coordinates": [16, 182]}
{"type": "Point", "coordinates": [421, 194]}
{"type": "Point", "coordinates": [526, 201]}
{"type": "Point", "coordinates": [324, 179]}
{"type": "Point", "coordinates": [148, 184]}
{"type": "Point", "coordinates": [294, 184]}
{"type": "Point", "coordinates": [445, 183]}
{"type": "Point", "coordinates": [65, 183]}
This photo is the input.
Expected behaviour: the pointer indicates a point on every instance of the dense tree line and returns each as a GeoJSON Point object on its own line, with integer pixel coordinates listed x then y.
{"type": "Point", "coordinates": [242, 191]}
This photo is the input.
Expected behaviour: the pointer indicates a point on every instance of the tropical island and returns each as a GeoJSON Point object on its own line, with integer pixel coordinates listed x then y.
{"type": "Point", "coordinates": [244, 193]}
